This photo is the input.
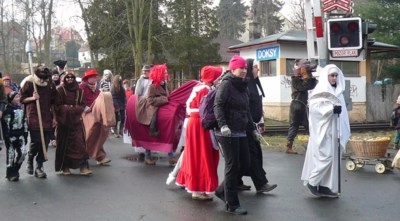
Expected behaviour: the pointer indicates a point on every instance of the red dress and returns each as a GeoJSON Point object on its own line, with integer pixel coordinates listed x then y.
{"type": "Point", "coordinates": [198, 171]}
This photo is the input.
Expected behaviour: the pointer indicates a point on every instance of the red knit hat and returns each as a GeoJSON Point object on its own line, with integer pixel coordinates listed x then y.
{"type": "Point", "coordinates": [237, 62]}
{"type": "Point", "coordinates": [210, 73]}
{"type": "Point", "coordinates": [90, 73]}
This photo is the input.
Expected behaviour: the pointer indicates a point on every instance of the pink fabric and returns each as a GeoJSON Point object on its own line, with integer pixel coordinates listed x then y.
{"type": "Point", "coordinates": [170, 120]}
{"type": "Point", "coordinates": [237, 62]}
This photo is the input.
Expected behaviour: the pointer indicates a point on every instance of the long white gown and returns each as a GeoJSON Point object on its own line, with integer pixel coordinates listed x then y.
{"type": "Point", "coordinates": [321, 161]}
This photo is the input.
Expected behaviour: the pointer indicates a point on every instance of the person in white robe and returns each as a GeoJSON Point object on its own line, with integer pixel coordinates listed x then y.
{"type": "Point", "coordinates": [329, 128]}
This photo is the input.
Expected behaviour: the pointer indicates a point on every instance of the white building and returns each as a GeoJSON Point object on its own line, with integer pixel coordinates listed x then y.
{"type": "Point", "coordinates": [275, 55]}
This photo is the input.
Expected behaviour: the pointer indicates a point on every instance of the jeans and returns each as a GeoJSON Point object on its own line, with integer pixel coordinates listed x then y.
{"type": "Point", "coordinates": [237, 161]}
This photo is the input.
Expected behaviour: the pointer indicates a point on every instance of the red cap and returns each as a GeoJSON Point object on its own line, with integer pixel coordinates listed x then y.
{"type": "Point", "coordinates": [90, 73]}
{"type": "Point", "coordinates": [237, 62]}
{"type": "Point", "coordinates": [210, 73]}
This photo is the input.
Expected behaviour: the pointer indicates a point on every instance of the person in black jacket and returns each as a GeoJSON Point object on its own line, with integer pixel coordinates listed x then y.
{"type": "Point", "coordinates": [256, 171]}
{"type": "Point", "coordinates": [302, 82]}
{"type": "Point", "coordinates": [231, 108]}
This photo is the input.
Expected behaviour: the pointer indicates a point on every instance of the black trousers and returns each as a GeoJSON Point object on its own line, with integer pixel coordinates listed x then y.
{"type": "Point", "coordinates": [237, 161]}
{"type": "Point", "coordinates": [36, 149]}
{"type": "Point", "coordinates": [14, 155]}
{"type": "Point", "coordinates": [298, 116]}
{"type": "Point", "coordinates": [256, 171]}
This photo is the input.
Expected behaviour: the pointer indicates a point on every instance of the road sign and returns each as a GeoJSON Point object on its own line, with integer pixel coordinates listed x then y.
{"type": "Point", "coordinates": [330, 5]}
{"type": "Point", "coordinates": [344, 53]}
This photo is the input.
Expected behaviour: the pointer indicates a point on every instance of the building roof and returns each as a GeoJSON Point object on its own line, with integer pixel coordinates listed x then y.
{"type": "Point", "coordinates": [299, 37]}
{"type": "Point", "coordinates": [224, 52]}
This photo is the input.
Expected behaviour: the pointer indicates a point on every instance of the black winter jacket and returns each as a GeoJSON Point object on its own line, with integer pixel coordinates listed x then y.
{"type": "Point", "coordinates": [231, 104]}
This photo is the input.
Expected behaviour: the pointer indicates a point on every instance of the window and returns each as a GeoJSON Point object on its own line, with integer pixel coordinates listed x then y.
{"type": "Point", "coordinates": [289, 67]}
{"type": "Point", "coordinates": [349, 68]}
{"type": "Point", "coordinates": [268, 68]}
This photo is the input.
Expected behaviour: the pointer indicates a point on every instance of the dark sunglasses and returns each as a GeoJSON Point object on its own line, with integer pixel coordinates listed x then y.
{"type": "Point", "coordinates": [69, 77]}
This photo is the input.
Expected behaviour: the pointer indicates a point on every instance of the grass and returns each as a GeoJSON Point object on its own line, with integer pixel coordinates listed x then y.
{"type": "Point", "coordinates": [278, 143]}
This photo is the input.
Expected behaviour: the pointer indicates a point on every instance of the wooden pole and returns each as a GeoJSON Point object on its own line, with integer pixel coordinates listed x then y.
{"type": "Point", "coordinates": [28, 50]}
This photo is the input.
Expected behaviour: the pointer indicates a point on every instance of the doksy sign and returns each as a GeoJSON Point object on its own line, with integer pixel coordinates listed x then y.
{"type": "Point", "coordinates": [268, 53]}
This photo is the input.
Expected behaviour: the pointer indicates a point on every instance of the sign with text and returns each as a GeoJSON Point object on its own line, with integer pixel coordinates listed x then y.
{"type": "Point", "coordinates": [344, 53]}
{"type": "Point", "coordinates": [269, 53]}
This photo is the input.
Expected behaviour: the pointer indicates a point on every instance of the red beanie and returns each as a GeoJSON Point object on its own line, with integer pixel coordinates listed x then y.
{"type": "Point", "coordinates": [237, 62]}
{"type": "Point", "coordinates": [210, 73]}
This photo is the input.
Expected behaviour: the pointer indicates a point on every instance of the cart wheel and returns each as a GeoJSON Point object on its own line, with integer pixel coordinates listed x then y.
{"type": "Point", "coordinates": [380, 168]}
{"type": "Point", "coordinates": [360, 164]}
{"type": "Point", "coordinates": [350, 165]}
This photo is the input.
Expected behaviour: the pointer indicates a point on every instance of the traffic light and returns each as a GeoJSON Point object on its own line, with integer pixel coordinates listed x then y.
{"type": "Point", "coordinates": [344, 33]}
{"type": "Point", "coordinates": [368, 28]}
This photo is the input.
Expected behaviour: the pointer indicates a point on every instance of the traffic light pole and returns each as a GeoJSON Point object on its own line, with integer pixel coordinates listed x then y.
{"type": "Point", "coordinates": [320, 32]}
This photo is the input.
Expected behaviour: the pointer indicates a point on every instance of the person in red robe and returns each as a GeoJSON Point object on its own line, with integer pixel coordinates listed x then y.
{"type": "Point", "coordinates": [198, 173]}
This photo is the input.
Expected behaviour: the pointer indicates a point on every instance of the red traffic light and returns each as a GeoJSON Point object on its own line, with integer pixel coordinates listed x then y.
{"type": "Point", "coordinates": [353, 26]}
{"type": "Point", "coordinates": [335, 27]}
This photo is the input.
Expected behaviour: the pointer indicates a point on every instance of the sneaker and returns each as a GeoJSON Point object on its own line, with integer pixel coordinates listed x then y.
{"type": "Point", "coordinates": [326, 192]}
{"type": "Point", "coordinates": [172, 161]}
{"type": "Point", "coordinates": [85, 172]}
{"type": "Point", "coordinates": [39, 173]}
{"type": "Point", "coordinates": [314, 190]}
{"type": "Point", "coordinates": [66, 172]}
{"type": "Point", "coordinates": [266, 188]}
{"type": "Point", "coordinates": [170, 179]}
{"type": "Point", "coordinates": [149, 161]}
{"type": "Point", "coordinates": [243, 187]}
{"type": "Point", "coordinates": [201, 197]}
{"type": "Point", "coordinates": [290, 151]}
{"type": "Point", "coordinates": [237, 211]}
{"type": "Point", "coordinates": [103, 161]}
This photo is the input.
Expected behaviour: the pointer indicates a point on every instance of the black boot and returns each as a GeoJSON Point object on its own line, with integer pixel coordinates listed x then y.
{"type": "Point", "coordinates": [29, 166]}
{"type": "Point", "coordinates": [39, 172]}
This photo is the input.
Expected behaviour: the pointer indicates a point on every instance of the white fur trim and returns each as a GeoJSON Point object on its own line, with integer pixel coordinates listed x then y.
{"type": "Point", "coordinates": [193, 95]}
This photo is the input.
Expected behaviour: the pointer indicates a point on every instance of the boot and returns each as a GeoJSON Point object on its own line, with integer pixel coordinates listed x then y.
{"type": "Point", "coordinates": [289, 147]}
{"type": "Point", "coordinates": [39, 172]}
{"type": "Point", "coordinates": [29, 166]}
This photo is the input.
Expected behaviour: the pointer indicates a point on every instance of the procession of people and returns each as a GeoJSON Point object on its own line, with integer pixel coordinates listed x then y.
{"type": "Point", "coordinates": [80, 116]}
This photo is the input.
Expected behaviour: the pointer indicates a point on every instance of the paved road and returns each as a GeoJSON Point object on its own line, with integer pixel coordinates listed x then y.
{"type": "Point", "coordinates": [129, 190]}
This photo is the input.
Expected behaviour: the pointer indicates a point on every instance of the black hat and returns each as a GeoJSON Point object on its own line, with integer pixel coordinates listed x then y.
{"type": "Point", "coordinates": [11, 95]}
{"type": "Point", "coordinates": [55, 72]}
{"type": "Point", "coordinates": [60, 63]}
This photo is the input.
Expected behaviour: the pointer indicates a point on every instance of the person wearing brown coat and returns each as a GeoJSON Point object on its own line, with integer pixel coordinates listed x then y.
{"type": "Point", "coordinates": [147, 106]}
{"type": "Point", "coordinates": [45, 94]}
{"type": "Point", "coordinates": [71, 147]}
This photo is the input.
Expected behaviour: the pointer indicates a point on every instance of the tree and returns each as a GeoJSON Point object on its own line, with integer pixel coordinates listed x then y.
{"type": "Point", "coordinates": [193, 25]}
{"type": "Point", "coordinates": [71, 51]}
{"type": "Point", "coordinates": [386, 15]}
{"type": "Point", "coordinates": [231, 16]}
{"type": "Point", "coordinates": [265, 12]}
{"type": "Point", "coordinates": [298, 17]}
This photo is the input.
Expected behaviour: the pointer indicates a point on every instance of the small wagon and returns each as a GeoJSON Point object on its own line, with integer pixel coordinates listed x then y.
{"type": "Point", "coordinates": [369, 151]}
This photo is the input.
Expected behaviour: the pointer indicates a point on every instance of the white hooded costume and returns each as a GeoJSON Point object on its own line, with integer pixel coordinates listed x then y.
{"type": "Point", "coordinates": [321, 161]}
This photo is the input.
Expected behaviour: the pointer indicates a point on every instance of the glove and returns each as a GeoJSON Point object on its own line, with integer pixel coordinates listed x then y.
{"type": "Point", "coordinates": [225, 131]}
{"type": "Point", "coordinates": [256, 135]}
{"type": "Point", "coordinates": [337, 109]}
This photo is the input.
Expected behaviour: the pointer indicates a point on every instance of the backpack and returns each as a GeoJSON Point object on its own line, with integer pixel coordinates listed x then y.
{"type": "Point", "coordinates": [206, 110]}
